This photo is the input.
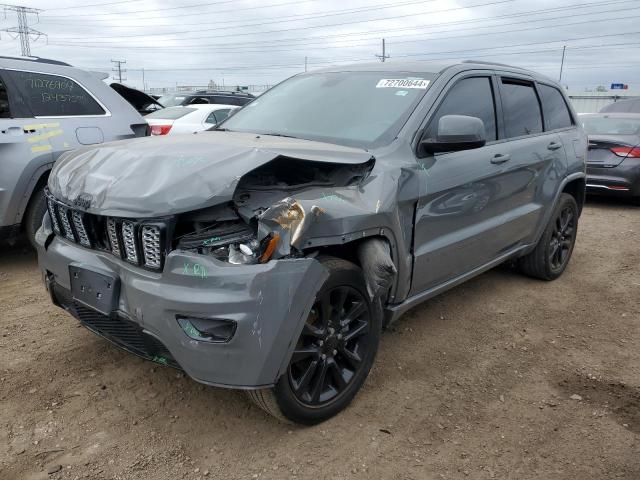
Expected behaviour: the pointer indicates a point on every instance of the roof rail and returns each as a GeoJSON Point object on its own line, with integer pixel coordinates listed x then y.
{"type": "Point", "coordinates": [482, 62]}
{"type": "Point", "coordinates": [36, 59]}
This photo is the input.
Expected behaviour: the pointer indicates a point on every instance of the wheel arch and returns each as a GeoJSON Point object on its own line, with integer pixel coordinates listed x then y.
{"type": "Point", "coordinates": [38, 179]}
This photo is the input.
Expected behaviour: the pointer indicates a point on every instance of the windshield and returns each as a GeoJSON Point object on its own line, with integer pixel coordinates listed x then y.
{"type": "Point", "coordinates": [171, 113]}
{"type": "Point", "coordinates": [605, 125]}
{"type": "Point", "coordinates": [171, 100]}
{"type": "Point", "coordinates": [361, 109]}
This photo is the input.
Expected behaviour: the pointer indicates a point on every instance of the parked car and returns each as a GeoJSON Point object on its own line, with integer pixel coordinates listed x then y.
{"type": "Point", "coordinates": [630, 105]}
{"type": "Point", "coordinates": [191, 119]}
{"type": "Point", "coordinates": [203, 96]}
{"type": "Point", "coordinates": [46, 108]}
{"type": "Point", "coordinates": [613, 160]}
{"type": "Point", "coordinates": [267, 255]}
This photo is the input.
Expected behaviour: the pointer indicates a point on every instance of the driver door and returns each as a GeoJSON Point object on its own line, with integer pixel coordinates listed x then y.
{"type": "Point", "coordinates": [461, 208]}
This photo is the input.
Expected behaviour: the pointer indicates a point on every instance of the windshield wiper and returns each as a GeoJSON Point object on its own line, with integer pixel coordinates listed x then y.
{"type": "Point", "coordinates": [274, 134]}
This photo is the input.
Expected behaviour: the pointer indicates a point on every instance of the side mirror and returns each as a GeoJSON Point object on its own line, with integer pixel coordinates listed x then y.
{"type": "Point", "coordinates": [456, 133]}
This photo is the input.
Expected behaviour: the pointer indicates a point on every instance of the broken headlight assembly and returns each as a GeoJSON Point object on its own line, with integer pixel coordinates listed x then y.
{"type": "Point", "coordinates": [276, 232]}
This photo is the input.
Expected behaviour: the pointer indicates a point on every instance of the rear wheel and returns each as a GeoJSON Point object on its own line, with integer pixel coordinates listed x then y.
{"type": "Point", "coordinates": [334, 353]}
{"type": "Point", "coordinates": [34, 214]}
{"type": "Point", "coordinates": [551, 256]}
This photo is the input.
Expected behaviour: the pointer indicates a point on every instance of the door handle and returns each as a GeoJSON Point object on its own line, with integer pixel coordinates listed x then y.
{"type": "Point", "coordinates": [554, 146]}
{"type": "Point", "coordinates": [500, 158]}
{"type": "Point", "coordinates": [13, 131]}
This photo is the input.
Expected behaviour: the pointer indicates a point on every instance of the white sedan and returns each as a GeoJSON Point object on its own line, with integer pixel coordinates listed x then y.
{"type": "Point", "coordinates": [188, 119]}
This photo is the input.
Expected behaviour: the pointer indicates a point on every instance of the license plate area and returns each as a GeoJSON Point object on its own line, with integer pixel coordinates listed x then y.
{"type": "Point", "coordinates": [95, 289]}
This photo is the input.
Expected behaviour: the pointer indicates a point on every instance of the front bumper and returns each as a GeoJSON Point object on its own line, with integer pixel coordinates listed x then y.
{"type": "Point", "coordinates": [269, 302]}
{"type": "Point", "coordinates": [622, 180]}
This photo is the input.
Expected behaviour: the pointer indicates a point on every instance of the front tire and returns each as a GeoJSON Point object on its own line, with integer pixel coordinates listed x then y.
{"type": "Point", "coordinates": [334, 353]}
{"type": "Point", "coordinates": [553, 251]}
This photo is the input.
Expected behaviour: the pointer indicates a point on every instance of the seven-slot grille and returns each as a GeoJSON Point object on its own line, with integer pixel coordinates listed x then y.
{"type": "Point", "coordinates": [139, 243]}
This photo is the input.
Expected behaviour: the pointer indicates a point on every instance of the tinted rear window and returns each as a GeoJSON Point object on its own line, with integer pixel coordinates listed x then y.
{"type": "Point", "coordinates": [171, 100]}
{"type": "Point", "coordinates": [605, 125]}
{"type": "Point", "coordinates": [53, 95]}
{"type": "Point", "coordinates": [170, 113]}
{"type": "Point", "coordinates": [556, 113]}
{"type": "Point", "coordinates": [521, 108]}
{"type": "Point", "coordinates": [5, 111]}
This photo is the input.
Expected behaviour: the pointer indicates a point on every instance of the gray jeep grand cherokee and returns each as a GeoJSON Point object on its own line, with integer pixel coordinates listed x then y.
{"type": "Point", "coordinates": [269, 254]}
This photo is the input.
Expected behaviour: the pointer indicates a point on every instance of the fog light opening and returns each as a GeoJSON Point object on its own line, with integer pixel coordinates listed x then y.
{"type": "Point", "coordinates": [207, 329]}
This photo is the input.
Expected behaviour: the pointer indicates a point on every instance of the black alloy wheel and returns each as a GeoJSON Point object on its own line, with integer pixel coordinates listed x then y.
{"type": "Point", "coordinates": [562, 239]}
{"type": "Point", "coordinates": [551, 255]}
{"type": "Point", "coordinates": [332, 347]}
{"type": "Point", "coordinates": [333, 354]}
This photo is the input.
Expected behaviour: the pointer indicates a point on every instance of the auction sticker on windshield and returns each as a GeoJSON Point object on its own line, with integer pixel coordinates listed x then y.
{"type": "Point", "coordinates": [403, 83]}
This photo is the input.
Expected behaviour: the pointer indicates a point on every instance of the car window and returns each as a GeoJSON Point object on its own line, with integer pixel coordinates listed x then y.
{"type": "Point", "coordinates": [171, 100]}
{"type": "Point", "coordinates": [470, 96]}
{"type": "Point", "coordinates": [353, 108]}
{"type": "Point", "coordinates": [53, 95]}
{"type": "Point", "coordinates": [220, 115]}
{"type": "Point", "coordinates": [521, 108]}
{"type": "Point", "coordinates": [170, 113]}
{"type": "Point", "coordinates": [5, 111]}
{"type": "Point", "coordinates": [200, 100]}
{"type": "Point", "coordinates": [556, 113]}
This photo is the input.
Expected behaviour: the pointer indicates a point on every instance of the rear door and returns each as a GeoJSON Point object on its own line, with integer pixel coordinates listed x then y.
{"type": "Point", "coordinates": [537, 161]}
{"type": "Point", "coordinates": [20, 156]}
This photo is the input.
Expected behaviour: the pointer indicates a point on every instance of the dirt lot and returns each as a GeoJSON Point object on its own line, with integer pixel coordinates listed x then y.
{"type": "Point", "coordinates": [477, 383]}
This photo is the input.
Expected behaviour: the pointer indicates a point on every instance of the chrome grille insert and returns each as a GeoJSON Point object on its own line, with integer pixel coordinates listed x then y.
{"type": "Point", "coordinates": [54, 216]}
{"type": "Point", "coordinates": [78, 222]}
{"type": "Point", "coordinates": [151, 246]}
{"type": "Point", "coordinates": [66, 224]}
{"type": "Point", "coordinates": [112, 232]}
{"type": "Point", "coordinates": [129, 240]}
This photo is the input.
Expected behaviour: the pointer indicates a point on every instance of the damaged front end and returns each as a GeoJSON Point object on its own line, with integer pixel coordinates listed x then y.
{"type": "Point", "coordinates": [264, 220]}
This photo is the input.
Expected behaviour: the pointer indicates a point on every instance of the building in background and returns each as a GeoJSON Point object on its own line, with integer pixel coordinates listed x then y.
{"type": "Point", "coordinates": [592, 102]}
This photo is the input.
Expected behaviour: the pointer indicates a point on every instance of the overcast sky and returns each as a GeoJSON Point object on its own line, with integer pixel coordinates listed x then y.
{"type": "Point", "coordinates": [190, 42]}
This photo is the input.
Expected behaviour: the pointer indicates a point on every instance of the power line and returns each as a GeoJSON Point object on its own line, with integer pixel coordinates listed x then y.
{"type": "Point", "coordinates": [279, 19]}
{"type": "Point", "coordinates": [423, 39]}
{"type": "Point", "coordinates": [463, 53]}
{"type": "Point", "coordinates": [22, 30]}
{"type": "Point", "coordinates": [339, 24]}
{"type": "Point", "coordinates": [93, 5]}
{"type": "Point", "coordinates": [207, 4]}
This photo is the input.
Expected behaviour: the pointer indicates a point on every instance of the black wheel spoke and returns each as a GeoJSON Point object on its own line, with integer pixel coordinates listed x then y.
{"type": "Point", "coordinates": [352, 358]}
{"type": "Point", "coordinates": [304, 380]}
{"type": "Point", "coordinates": [355, 311]}
{"type": "Point", "coordinates": [336, 373]}
{"type": "Point", "coordinates": [319, 381]}
{"type": "Point", "coordinates": [361, 329]}
{"type": "Point", "coordinates": [325, 310]}
{"type": "Point", "coordinates": [304, 353]}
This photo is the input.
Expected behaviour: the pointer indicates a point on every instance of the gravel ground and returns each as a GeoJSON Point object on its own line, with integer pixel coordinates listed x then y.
{"type": "Point", "coordinates": [503, 377]}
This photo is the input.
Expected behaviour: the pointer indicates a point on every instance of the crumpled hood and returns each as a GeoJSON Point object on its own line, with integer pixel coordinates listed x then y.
{"type": "Point", "coordinates": [157, 176]}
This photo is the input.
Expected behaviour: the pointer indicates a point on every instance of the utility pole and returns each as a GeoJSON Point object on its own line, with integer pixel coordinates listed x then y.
{"type": "Point", "coordinates": [22, 30]}
{"type": "Point", "coordinates": [305, 64]}
{"type": "Point", "coordinates": [384, 55]}
{"type": "Point", "coordinates": [144, 85]}
{"type": "Point", "coordinates": [118, 70]}
{"type": "Point", "coordinates": [562, 64]}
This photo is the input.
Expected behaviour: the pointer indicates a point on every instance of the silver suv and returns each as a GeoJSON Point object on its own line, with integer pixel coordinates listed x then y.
{"type": "Point", "coordinates": [269, 254]}
{"type": "Point", "coordinates": [47, 108]}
